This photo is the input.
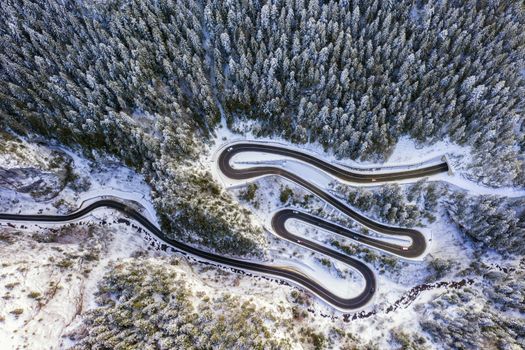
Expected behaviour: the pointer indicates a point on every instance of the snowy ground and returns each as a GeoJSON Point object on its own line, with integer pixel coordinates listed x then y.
{"type": "Point", "coordinates": [109, 178]}
{"type": "Point", "coordinates": [46, 285]}
{"type": "Point", "coordinates": [75, 285]}
{"type": "Point", "coordinates": [406, 155]}
{"type": "Point", "coordinates": [30, 266]}
{"type": "Point", "coordinates": [47, 281]}
{"type": "Point", "coordinates": [268, 201]}
{"type": "Point", "coordinates": [446, 243]}
{"type": "Point", "coordinates": [64, 280]}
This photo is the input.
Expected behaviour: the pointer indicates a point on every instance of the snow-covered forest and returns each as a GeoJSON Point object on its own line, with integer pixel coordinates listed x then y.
{"type": "Point", "coordinates": [355, 75]}
{"type": "Point", "coordinates": [145, 91]}
{"type": "Point", "coordinates": [129, 78]}
{"type": "Point", "coordinates": [147, 81]}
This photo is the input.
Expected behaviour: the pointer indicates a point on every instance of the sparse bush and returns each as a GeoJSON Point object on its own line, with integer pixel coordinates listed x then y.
{"type": "Point", "coordinates": [12, 285]}
{"type": "Point", "coordinates": [285, 195]}
{"type": "Point", "coordinates": [326, 262]}
{"type": "Point", "coordinates": [439, 268]}
{"type": "Point", "coordinates": [34, 295]}
{"type": "Point", "coordinates": [249, 194]}
{"type": "Point", "coordinates": [392, 203]}
{"type": "Point", "coordinates": [17, 312]}
{"type": "Point", "coordinates": [65, 263]}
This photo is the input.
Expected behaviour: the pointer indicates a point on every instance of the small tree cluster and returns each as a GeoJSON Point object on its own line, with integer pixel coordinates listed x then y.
{"type": "Point", "coordinates": [146, 305]}
{"type": "Point", "coordinates": [495, 222]}
{"type": "Point", "coordinates": [393, 204]}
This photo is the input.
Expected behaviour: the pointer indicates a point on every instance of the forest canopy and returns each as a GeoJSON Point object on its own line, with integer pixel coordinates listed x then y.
{"type": "Point", "coordinates": [148, 81]}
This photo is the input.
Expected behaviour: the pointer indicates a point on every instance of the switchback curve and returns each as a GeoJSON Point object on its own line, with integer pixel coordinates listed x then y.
{"type": "Point", "coordinates": [281, 272]}
{"type": "Point", "coordinates": [278, 222]}
{"type": "Point", "coordinates": [418, 243]}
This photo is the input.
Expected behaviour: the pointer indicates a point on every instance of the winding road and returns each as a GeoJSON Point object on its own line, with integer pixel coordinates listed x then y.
{"type": "Point", "coordinates": [418, 243]}
{"type": "Point", "coordinates": [416, 248]}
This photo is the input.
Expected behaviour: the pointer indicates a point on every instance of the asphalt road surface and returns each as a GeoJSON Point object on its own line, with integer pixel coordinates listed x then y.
{"type": "Point", "coordinates": [338, 171]}
{"type": "Point", "coordinates": [280, 272]}
{"type": "Point", "coordinates": [418, 243]}
{"type": "Point", "coordinates": [416, 248]}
